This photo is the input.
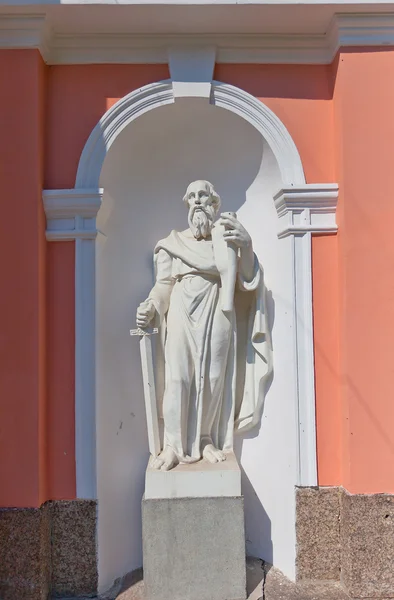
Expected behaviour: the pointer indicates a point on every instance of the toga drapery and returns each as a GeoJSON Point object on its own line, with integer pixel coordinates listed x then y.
{"type": "Point", "coordinates": [212, 367]}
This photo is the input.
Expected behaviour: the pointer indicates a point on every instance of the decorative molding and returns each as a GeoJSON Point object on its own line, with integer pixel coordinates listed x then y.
{"type": "Point", "coordinates": [301, 249]}
{"type": "Point", "coordinates": [345, 29]}
{"type": "Point", "coordinates": [109, 49]}
{"type": "Point", "coordinates": [307, 208]}
{"type": "Point", "coordinates": [154, 49]}
{"type": "Point", "coordinates": [71, 214]}
{"type": "Point", "coordinates": [304, 210]}
{"type": "Point", "coordinates": [267, 123]}
{"type": "Point", "coordinates": [26, 31]}
{"type": "Point", "coordinates": [85, 368]}
{"type": "Point", "coordinates": [112, 123]}
{"type": "Point", "coordinates": [157, 94]}
{"type": "Point", "coordinates": [72, 202]}
{"type": "Point", "coordinates": [321, 48]}
{"type": "Point", "coordinates": [361, 30]}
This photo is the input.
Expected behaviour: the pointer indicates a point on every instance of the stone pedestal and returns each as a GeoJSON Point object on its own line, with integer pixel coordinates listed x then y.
{"type": "Point", "coordinates": [198, 480]}
{"type": "Point", "coordinates": [194, 547]}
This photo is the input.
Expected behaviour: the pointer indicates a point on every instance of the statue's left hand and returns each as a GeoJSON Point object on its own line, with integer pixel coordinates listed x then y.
{"type": "Point", "coordinates": [235, 231]}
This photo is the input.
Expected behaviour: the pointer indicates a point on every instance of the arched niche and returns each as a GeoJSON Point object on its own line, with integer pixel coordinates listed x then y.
{"type": "Point", "coordinates": [144, 177]}
{"type": "Point", "coordinates": [132, 175]}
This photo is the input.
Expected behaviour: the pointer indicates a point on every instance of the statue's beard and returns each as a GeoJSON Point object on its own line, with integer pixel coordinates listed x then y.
{"type": "Point", "coordinates": [201, 221]}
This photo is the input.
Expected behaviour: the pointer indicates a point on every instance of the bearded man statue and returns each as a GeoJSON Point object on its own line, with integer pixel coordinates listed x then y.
{"type": "Point", "coordinates": [212, 364]}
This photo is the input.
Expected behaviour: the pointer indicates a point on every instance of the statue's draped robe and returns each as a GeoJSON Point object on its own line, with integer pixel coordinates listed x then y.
{"type": "Point", "coordinates": [212, 367]}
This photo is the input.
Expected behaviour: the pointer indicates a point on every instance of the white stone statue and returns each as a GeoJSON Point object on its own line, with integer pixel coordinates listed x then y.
{"type": "Point", "coordinates": [214, 355]}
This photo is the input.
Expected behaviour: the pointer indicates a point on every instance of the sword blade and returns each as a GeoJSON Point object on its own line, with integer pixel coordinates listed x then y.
{"type": "Point", "coordinates": [148, 378]}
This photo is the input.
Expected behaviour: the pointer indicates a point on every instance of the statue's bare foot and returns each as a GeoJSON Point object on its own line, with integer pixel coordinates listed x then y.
{"type": "Point", "coordinates": [213, 454]}
{"type": "Point", "coordinates": [166, 460]}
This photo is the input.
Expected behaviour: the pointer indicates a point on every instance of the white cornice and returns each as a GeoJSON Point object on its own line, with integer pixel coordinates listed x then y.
{"type": "Point", "coordinates": [344, 30]}
{"type": "Point", "coordinates": [307, 208]}
{"type": "Point", "coordinates": [361, 30]}
{"type": "Point", "coordinates": [35, 31]}
{"type": "Point", "coordinates": [26, 31]}
{"type": "Point", "coordinates": [235, 48]}
{"type": "Point", "coordinates": [71, 214]}
{"type": "Point", "coordinates": [65, 203]}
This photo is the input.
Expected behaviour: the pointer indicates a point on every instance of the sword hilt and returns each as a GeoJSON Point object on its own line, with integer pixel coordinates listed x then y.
{"type": "Point", "coordinates": [143, 332]}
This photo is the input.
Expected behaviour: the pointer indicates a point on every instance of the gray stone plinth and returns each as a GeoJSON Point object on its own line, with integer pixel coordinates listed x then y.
{"type": "Point", "coordinates": [194, 549]}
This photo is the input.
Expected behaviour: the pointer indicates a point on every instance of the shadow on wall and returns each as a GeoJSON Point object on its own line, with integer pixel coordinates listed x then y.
{"type": "Point", "coordinates": [256, 517]}
{"type": "Point", "coordinates": [262, 530]}
{"type": "Point", "coordinates": [145, 176]}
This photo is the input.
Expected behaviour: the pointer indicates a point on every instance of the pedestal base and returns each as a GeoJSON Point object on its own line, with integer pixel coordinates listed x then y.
{"type": "Point", "coordinates": [197, 480]}
{"type": "Point", "coordinates": [194, 548]}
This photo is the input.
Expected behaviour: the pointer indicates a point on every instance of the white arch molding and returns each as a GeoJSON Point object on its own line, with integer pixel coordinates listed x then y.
{"type": "Point", "coordinates": [158, 94]}
{"type": "Point", "coordinates": [303, 209]}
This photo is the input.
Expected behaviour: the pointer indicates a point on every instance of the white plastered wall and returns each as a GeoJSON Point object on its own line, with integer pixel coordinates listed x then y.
{"type": "Point", "coordinates": [144, 177]}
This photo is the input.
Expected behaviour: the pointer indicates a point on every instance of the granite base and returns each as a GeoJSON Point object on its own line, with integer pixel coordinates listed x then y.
{"type": "Point", "coordinates": [25, 553]}
{"type": "Point", "coordinates": [318, 533]}
{"type": "Point", "coordinates": [73, 549]}
{"type": "Point", "coordinates": [367, 544]}
{"type": "Point", "coordinates": [347, 538]}
{"type": "Point", "coordinates": [48, 551]}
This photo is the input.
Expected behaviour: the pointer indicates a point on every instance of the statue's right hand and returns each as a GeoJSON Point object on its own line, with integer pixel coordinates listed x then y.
{"type": "Point", "coordinates": [145, 313]}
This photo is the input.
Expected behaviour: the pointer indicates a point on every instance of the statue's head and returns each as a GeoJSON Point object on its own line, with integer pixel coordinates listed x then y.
{"type": "Point", "coordinates": [203, 204]}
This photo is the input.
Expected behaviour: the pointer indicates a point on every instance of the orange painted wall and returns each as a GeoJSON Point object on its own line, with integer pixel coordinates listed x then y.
{"type": "Point", "coordinates": [23, 426]}
{"type": "Point", "coordinates": [364, 126]}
